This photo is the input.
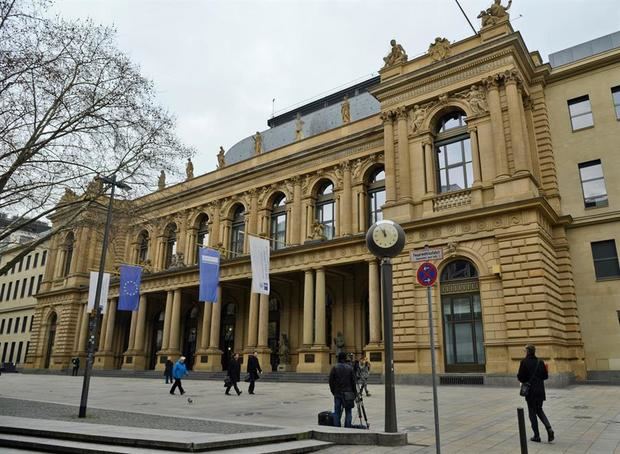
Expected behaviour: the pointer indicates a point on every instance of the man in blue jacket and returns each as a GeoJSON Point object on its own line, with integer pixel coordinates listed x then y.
{"type": "Point", "coordinates": [178, 372]}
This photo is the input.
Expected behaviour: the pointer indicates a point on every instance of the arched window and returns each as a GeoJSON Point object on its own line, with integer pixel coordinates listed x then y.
{"type": "Point", "coordinates": [376, 195]}
{"type": "Point", "coordinates": [453, 149]}
{"type": "Point", "coordinates": [278, 222]}
{"type": "Point", "coordinates": [325, 209]}
{"type": "Point", "coordinates": [202, 234]}
{"type": "Point", "coordinates": [143, 247]}
{"type": "Point", "coordinates": [171, 244]}
{"type": "Point", "coordinates": [68, 247]}
{"type": "Point", "coordinates": [237, 232]}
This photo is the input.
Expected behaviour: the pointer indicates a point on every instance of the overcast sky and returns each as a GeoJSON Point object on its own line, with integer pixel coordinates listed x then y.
{"type": "Point", "coordinates": [217, 65]}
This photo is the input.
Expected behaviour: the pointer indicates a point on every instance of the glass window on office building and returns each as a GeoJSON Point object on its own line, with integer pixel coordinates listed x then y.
{"type": "Point", "coordinates": [605, 259]}
{"type": "Point", "coordinates": [615, 94]}
{"type": "Point", "coordinates": [580, 112]}
{"type": "Point", "coordinates": [593, 184]}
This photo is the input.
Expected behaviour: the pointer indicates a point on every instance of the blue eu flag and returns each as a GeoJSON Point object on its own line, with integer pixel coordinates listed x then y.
{"type": "Point", "coordinates": [129, 291]}
{"type": "Point", "coordinates": [209, 263]}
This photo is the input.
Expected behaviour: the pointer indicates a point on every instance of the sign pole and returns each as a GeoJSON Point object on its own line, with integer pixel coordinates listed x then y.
{"type": "Point", "coordinates": [390, 393]}
{"type": "Point", "coordinates": [434, 373]}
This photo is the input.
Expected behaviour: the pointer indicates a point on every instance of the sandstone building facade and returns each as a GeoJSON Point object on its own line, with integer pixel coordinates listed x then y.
{"type": "Point", "coordinates": [468, 147]}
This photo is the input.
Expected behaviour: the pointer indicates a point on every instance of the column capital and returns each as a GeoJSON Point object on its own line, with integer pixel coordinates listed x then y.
{"type": "Point", "coordinates": [511, 77]}
{"type": "Point", "coordinates": [387, 116]}
{"type": "Point", "coordinates": [402, 113]}
{"type": "Point", "coordinates": [492, 82]}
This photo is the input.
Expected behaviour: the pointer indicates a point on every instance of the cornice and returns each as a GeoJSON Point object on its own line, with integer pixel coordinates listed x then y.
{"type": "Point", "coordinates": [580, 67]}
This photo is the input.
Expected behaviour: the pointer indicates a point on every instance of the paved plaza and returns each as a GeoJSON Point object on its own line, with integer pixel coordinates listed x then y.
{"type": "Point", "coordinates": [586, 418]}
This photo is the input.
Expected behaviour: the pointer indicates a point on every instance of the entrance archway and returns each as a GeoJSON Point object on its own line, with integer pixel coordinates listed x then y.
{"type": "Point", "coordinates": [51, 337]}
{"type": "Point", "coordinates": [157, 337]}
{"type": "Point", "coordinates": [227, 333]}
{"type": "Point", "coordinates": [189, 339]}
{"type": "Point", "coordinates": [462, 318]}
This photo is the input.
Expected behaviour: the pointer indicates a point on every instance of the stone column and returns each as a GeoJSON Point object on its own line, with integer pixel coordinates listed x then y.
{"type": "Point", "coordinates": [216, 313]}
{"type": "Point", "coordinates": [403, 155]}
{"type": "Point", "coordinates": [308, 308]}
{"type": "Point", "coordinates": [109, 335]}
{"type": "Point", "coordinates": [253, 321]}
{"type": "Point", "coordinates": [431, 176]}
{"type": "Point", "coordinates": [263, 322]}
{"type": "Point", "coordinates": [319, 310]}
{"type": "Point", "coordinates": [165, 343]}
{"type": "Point", "coordinates": [475, 156]}
{"type": "Point", "coordinates": [497, 127]}
{"type": "Point", "coordinates": [390, 167]}
{"type": "Point", "coordinates": [206, 326]}
{"type": "Point", "coordinates": [252, 224]}
{"type": "Point", "coordinates": [83, 246]}
{"type": "Point", "coordinates": [374, 302]}
{"type": "Point", "coordinates": [104, 328]}
{"type": "Point", "coordinates": [346, 206]}
{"type": "Point", "coordinates": [140, 323]}
{"type": "Point", "coordinates": [214, 233]}
{"type": "Point", "coordinates": [515, 114]}
{"type": "Point", "coordinates": [132, 330]}
{"type": "Point", "coordinates": [296, 221]}
{"type": "Point", "coordinates": [83, 330]}
{"type": "Point", "coordinates": [175, 322]}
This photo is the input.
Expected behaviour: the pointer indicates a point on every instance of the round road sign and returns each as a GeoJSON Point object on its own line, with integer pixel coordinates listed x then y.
{"type": "Point", "coordinates": [427, 274]}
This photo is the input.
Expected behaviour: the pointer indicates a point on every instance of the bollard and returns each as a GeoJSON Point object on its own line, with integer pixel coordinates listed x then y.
{"type": "Point", "coordinates": [522, 434]}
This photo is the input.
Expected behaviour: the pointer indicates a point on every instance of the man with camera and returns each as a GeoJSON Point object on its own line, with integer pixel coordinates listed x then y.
{"type": "Point", "coordinates": [342, 386]}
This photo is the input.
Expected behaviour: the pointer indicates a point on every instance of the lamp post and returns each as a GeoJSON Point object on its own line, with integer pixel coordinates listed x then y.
{"type": "Point", "coordinates": [92, 336]}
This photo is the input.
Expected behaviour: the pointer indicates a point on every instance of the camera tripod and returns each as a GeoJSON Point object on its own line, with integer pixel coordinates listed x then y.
{"type": "Point", "coordinates": [359, 402]}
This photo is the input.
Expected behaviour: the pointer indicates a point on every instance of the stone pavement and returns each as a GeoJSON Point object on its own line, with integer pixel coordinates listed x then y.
{"type": "Point", "coordinates": [586, 418]}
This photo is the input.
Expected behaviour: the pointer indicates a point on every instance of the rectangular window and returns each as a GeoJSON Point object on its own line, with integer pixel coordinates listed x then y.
{"type": "Point", "coordinates": [16, 289]}
{"type": "Point", "coordinates": [19, 353]}
{"type": "Point", "coordinates": [16, 325]}
{"type": "Point", "coordinates": [31, 320]}
{"type": "Point", "coordinates": [28, 262]}
{"type": "Point", "coordinates": [31, 287]}
{"type": "Point", "coordinates": [2, 326]}
{"type": "Point", "coordinates": [19, 265]}
{"type": "Point", "coordinates": [580, 112]}
{"type": "Point", "coordinates": [615, 94]}
{"type": "Point", "coordinates": [24, 322]}
{"type": "Point", "coordinates": [39, 282]}
{"type": "Point", "coordinates": [605, 259]}
{"type": "Point", "coordinates": [12, 352]}
{"type": "Point", "coordinates": [9, 326]}
{"type": "Point", "coordinates": [43, 257]}
{"type": "Point", "coordinates": [2, 291]}
{"type": "Point", "coordinates": [36, 260]}
{"type": "Point", "coordinates": [593, 184]}
{"type": "Point", "coordinates": [8, 291]}
{"type": "Point", "coordinates": [23, 292]}
{"type": "Point", "coordinates": [6, 344]}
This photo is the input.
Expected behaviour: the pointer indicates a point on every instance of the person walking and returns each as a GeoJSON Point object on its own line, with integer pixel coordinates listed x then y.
{"type": "Point", "coordinates": [342, 386]}
{"type": "Point", "coordinates": [168, 371]}
{"type": "Point", "coordinates": [178, 372]}
{"type": "Point", "coordinates": [76, 366]}
{"type": "Point", "coordinates": [363, 373]}
{"type": "Point", "coordinates": [534, 371]}
{"type": "Point", "coordinates": [234, 374]}
{"type": "Point", "coordinates": [253, 370]}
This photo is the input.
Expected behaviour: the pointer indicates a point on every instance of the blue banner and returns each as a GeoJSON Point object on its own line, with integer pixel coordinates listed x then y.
{"type": "Point", "coordinates": [209, 262]}
{"type": "Point", "coordinates": [129, 288]}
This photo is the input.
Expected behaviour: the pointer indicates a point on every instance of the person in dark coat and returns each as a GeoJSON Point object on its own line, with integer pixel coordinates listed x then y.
{"type": "Point", "coordinates": [253, 370]}
{"type": "Point", "coordinates": [534, 371]}
{"type": "Point", "coordinates": [342, 386]}
{"type": "Point", "coordinates": [76, 365]}
{"type": "Point", "coordinates": [168, 371]}
{"type": "Point", "coordinates": [234, 374]}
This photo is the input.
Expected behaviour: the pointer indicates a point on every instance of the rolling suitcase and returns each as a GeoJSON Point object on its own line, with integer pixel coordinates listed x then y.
{"type": "Point", "coordinates": [326, 418]}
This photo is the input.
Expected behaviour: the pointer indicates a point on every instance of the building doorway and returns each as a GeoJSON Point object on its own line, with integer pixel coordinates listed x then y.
{"type": "Point", "coordinates": [462, 318]}
{"type": "Point", "coordinates": [274, 332]}
{"type": "Point", "coordinates": [157, 337]}
{"type": "Point", "coordinates": [189, 340]}
{"type": "Point", "coordinates": [51, 337]}
{"type": "Point", "coordinates": [227, 333]}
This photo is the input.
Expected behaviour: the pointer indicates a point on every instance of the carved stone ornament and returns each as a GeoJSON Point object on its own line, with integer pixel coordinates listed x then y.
{"type": "Point", "coordinates": [258, 143]}
{"type": "Point", "coordinates": [221, 161]}
{"type": "Point", "coordinates": [345, 110]}
{"type": "Point", "coordinates": [387, 116]}
{"type": "Point", "coordinates": [189, 169]}
{"type": "Point", "coordinates": [396, 56]}
{"type": "Point", "coordinates": [318, 231]}
{"type": "Point", "coordinates": [495, 14]}
{"type": "Point", "coordinates": [439, 49]}
{"type": "Point", "coordinates": [476, 98]}
{"type": "Point", "coordinates": [418, 115]}
{"type": "Point", "coordinates": [68, 196]}
{"type": "Point", "coordinates": [161, 181]}
{"type": "Point", "coordinates": [451, 249]}
{"type": "Point", "coordinates": [94, 187]}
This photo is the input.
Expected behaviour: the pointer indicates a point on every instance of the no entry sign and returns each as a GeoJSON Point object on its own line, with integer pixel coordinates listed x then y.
{"type": "Point", "coordinates": [427, 274]}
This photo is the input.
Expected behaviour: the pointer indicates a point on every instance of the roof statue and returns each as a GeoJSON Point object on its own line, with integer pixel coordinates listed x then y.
{"type": "Point", "coordinates": [495, 13]}
{"type": "Point", "coordinates": [439, 49]}
{"type": "Point", "coordinates": [68, 196]}
{"type": "Point", "coordinates": [396, 56]}
{"type": "Point", "coordinates": [189, 169]}
{"type": "Point", "coordinates": [345, 110]}
{"type": "Point", "coordinates": [299, 127]}
{"type": "Point", "coordinates": [161, 181]}
{"type": "Point", "coordinates": [258, 143]}
{"type": "Point", "coordinates": [221, 161]}
{"type": "Point", "coordinates": [95, 187]}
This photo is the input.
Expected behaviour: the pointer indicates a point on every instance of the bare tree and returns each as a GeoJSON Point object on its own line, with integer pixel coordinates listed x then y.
{"type": "Point", "coordinates": [72, 106]}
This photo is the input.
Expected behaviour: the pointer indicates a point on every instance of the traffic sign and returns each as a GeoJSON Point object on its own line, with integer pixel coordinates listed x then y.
{"type": "Point", "coordinates": [426, 254]}
{"type": "Point", "coordinates": [427, 274]}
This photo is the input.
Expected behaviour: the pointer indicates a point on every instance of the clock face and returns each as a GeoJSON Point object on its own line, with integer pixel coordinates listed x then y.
{"type": "Point", "coordinates": [385, 235]}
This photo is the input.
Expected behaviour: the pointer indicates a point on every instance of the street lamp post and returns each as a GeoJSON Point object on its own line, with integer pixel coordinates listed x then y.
{"type": "Point", "coordinates": [92, 337]}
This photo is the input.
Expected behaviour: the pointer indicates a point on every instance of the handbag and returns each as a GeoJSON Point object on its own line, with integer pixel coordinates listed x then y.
{"type": "Point", "coordinates": [227, 382]}
{"type": "Point", "coordinates": [525, 387]}
{"type": "Point", "coordinates": [247, 378]}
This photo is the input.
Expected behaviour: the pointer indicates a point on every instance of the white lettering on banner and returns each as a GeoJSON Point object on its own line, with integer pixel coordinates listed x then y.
{"type": "Point", "coordinates": [92, 291]}
{"type": "Point", "coordinates": [210, 259]}
{"type": "Point", "coordinates": [259, 257]}
{"type": "Point", "coordinates": [426, 254]}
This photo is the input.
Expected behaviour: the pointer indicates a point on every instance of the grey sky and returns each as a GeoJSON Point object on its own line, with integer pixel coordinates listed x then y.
{"type": "Point", "coordinates": [218, 64]}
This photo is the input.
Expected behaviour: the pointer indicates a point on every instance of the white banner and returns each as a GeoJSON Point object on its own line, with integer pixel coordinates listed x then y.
{"type": "Point", "coordinates": [92, 291]}
{"type": "Point", "coordinates": [259, 256]}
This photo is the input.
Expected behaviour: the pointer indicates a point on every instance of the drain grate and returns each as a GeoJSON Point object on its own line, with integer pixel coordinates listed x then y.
{"type": "Point", "coordinates": [461, 380]}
